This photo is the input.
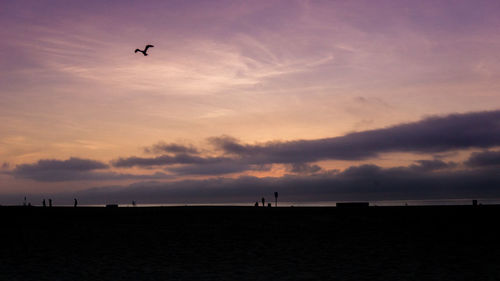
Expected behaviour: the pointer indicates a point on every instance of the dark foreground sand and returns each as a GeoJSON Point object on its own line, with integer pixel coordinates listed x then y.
{"type": "Point", "coordinates": [237, 243]}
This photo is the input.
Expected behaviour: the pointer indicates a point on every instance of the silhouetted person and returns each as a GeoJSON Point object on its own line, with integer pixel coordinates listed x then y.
{"type": "Point", "coordinates": [133, 203]}
{"type": "Point", "coordinates": [50, 202]}
{"type": "Point", "coordinates": [263, 202]}
{"type": "Point", "coordinates": [256, 204]}
{"type": "Point", "coordinates": [75, 202]}
{"type": "Point", "coordinates": [43, 203]}
{"type": "Point", "coordinates": [276, 199]}
{"type": "Point", "coordinates": [24, 202]}
{"type": "Point", "coordinates": [269, 205]}
{"type": "Point", "coordinates": [145, 50]}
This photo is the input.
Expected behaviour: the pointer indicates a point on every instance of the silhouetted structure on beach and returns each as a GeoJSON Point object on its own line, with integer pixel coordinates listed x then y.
{"type": "Point", "coordinates": [112, 206]}
{"type": "Point", "coordinates": [43, 203]}
{"type": "Point", "coordinates": [276, 199]}
{"type": "Point", "coordinates": [50, 202]}
{"type": "Point", "coordinates": [75, 202]}
{"type": "Point", "coordinates": [474, 203]}
{"type": "Point", "coordinates": [133, 203]}
{"type": "Point", "coordinates": [24, 202]}
{"type": "Point", "coordinates": [256, 204]}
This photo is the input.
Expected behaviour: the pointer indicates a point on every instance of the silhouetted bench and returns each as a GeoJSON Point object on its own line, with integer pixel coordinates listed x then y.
{"type": "Point", "coordinates": [112, 206]}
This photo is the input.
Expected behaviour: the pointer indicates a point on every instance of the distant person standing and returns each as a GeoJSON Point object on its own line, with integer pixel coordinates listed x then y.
{"type": "Point", "coordinates": [24, 202]}
{"type": "Point", "coordinates": [276, 199]}
{"type": "Point", "coordinates": [50, 202]}
{"type": "Point", "coordinates": [263, 202]}
{"type": "Point", "coordinates": [43, 203]}
{"type": "Point", "coordinates": [75, 202]}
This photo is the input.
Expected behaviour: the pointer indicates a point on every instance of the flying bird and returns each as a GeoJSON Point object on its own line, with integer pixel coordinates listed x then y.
{"type": "Point", "coordinates": [145, 50]}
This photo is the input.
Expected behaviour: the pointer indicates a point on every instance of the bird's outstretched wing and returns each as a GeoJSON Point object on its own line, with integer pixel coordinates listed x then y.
{"type": "Point", "coordinates": [147, 47]}
{"type": "Point", "coordinates": [137, 50]}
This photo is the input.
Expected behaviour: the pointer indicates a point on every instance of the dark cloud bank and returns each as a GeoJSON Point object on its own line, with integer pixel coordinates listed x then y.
{"type": "Point", "coordinates": [51, 170]}
{"type": "Point", "coordinates": [478, 176]}
{"type": "Point", "coordinates": [366, 182]}
{"type": "Point", "coordinates": [431, 135]}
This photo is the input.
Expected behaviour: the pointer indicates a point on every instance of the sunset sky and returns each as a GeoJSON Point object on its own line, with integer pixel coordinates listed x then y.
{"type": "Point", "coordinates": [321, 100]}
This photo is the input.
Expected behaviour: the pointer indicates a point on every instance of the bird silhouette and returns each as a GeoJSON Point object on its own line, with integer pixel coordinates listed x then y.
{"type": "Point", "coordinates": [145, 50]}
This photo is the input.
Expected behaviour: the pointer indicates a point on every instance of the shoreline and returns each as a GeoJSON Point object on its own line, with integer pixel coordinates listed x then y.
{"type": "Point", "coordinates": [249, 243]}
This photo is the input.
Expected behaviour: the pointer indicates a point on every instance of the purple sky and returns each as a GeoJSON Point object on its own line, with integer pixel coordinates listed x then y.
{"type": "Point", "coordinates": [254, 91]}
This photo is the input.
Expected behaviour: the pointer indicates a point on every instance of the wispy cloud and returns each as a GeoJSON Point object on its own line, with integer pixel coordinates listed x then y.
{"type": "Point", "coordinates": [175, 148]}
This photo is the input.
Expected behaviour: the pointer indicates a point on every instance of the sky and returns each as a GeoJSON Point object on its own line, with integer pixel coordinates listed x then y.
{"type": "Point", "coordinates": [319, 100]}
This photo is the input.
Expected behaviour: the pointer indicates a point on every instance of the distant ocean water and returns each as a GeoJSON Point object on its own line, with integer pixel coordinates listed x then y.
{"type": "Point", "coordinates": [430, 202]}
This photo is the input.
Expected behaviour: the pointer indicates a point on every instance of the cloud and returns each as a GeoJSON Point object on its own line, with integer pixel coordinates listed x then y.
{"type": "Point", "coordinates": [167, 160]}
{"type": "Point", "coordinates": [430, 135]}
{"type": "Point", "coordinates": [73, 169]}
{"type": "Point", "coordinates": [483, 159]}
{"type": "Point", "coordinates": [364, 182]}
{"type": "Point", "coordinates": [432, 165]}
{"type": "Point", "coordinates": [57, 170]}
{"type": "Point", "coordinates": [224, 167]}
{"type": "Point", "coordinates": [162, 147]}
{"type": "Point", "coordinates": [72, 164]}
{"type": "Point", "coordinates": [303, 168]}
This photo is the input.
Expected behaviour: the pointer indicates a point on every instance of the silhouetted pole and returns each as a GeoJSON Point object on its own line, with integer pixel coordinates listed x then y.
{"type": "Point", "coordinates": [276, 199]}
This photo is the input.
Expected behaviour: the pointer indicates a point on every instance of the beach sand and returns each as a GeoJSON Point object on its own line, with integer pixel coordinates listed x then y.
{"type": "Point", "coordinates": [247, 243]}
